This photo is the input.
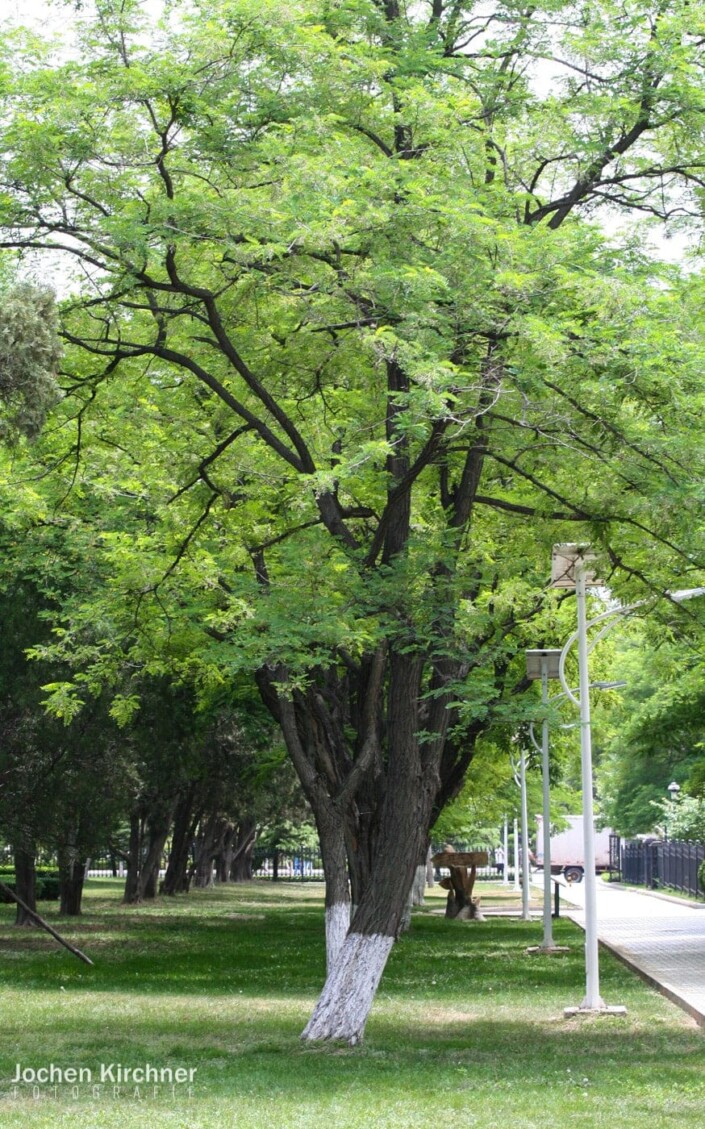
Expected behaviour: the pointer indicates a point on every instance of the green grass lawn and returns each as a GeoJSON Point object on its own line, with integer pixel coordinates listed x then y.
{"type": "Point", "coordinates": [467, 1029]}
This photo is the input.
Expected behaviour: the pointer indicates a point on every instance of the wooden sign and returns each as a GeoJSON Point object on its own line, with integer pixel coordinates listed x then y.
{"type": "Point", "coordinates": [460, 858]}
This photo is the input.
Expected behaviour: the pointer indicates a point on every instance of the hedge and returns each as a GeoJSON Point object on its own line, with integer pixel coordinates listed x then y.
{"type": "Point", "coordinates": [47, 888]}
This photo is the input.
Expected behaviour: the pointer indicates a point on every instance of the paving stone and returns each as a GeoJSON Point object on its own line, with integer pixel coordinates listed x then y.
{"type": "Point", "coordinates": [662, 938]}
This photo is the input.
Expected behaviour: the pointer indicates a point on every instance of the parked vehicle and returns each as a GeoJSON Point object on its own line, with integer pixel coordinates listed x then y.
{"type": "Point", "coordinates": [567, 854]}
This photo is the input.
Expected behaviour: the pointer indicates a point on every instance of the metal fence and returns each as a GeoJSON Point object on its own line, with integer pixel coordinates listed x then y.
{"type": "Point", "coordinates": [671, 865]}
{"type": "Point", "coordinates": [301, 865]}
{"type": "Point", "coordinates": [306, 865]}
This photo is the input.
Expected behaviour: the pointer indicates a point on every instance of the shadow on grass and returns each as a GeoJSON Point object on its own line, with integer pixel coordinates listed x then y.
{"type": "Point", "coordinates": [269, 944]}
{"type": "Point", "coordinates": [224, 981]}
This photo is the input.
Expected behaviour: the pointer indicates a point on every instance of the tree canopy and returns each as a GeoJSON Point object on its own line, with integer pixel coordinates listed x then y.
{"type": "Point", "coordinates": [347, 351]}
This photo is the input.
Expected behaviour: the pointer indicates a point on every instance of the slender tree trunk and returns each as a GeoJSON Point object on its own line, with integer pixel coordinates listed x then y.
{"type": "Point", "coordinates": [72, 874]}
{"type": "Point", "coordinates": [335, 870]}
{"type": "Point", "coordinates": [176, 879]}
{"type": "Point", "coordinates": [241, 869]}
{"type": "Point", "coordinates": [330, 821]}
{"type": "Point", "coordinates": [25, 884]}
{"type": "Point", "coordinates": [224, 859]}
{"type": "Point", "coordinates": [134, 851]}
{"type": "Point", "coordinates": [205, 849]}
{"type": "Point", "coordinates": [416, 895]}
{"type": "Point", "coordinates": [149, 870]}
{"type": "Point", "coordinates": [241, 865]}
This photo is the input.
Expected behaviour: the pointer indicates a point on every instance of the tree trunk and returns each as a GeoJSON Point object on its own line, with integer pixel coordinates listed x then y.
{"type": "Point", "coordinates": [134, 851]}
{"type": "Point", "coordinates": [241, 869]}
{"type": "Point", "coordinates": [25, 884]}
{"type": "Point", "coordinates": [372, 798]}
{"type": "Point", "coordinates": [430, 876]}
{"type": "Point", "coordinates": [149, 870]}
{"type": "Point", "coordinates": [244, 844]}
{"type": "Point", "coordinates": [177, 880]}
{"type": "Point", "coordinates": [349, 991]}
{"type": "Point", "coordinates": [205, 850]}
{"type": "Point", "coordinates": [416, 896]}
{"type": "Point", "coordinates": [306, 745]}
{"type": "Point", "coordinates": [72, 874]}
{"type": "Point", "coordinates": [224, 858]}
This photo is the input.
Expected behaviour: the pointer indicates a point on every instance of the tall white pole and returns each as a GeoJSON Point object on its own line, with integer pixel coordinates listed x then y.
{"type": "Point", "coordinates": [592, 965]}
{"type": "Point", "coordinates": [545, 766]}
{"type": "Point", "coordinates": [516, 856]}
{"type": "Point", "coordinates": [505, 872]}
{"type": "Point", "coordinates": [525, 875]}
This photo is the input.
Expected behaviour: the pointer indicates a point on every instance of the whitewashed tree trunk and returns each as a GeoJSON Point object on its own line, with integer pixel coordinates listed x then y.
{"type": "Point", "coordinates": [418, 887]}
{"type": "Point", "coordinates": [337, 925]}
{"type": "Point", "coordinates": [346, 999]}
{"type": "Point", "coordinates": [416, 895]}
{"type": "Point", "coordinates": [430, 877]}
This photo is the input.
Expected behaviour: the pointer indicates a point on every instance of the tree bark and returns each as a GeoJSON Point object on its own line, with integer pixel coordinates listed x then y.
{"type": "Point", "coordinates": [224, 858]}
{"type": "Point", "coordinates": [245, 838]}
{"type": "Point", "coordinates": [72, 874]}
{"type": "Point", "coordinates": [241, 869]}
{"type": "Point", "coordinates": [206, 848]}
{"type": "Point", "coordinates": [134, 850]}
{"type": "Point", "coordinates": [177, 879]}
{"type": "Point", "coordinates": [308, 739]}
{"type": "Point", "coordinates": [25, 885]}
{"type": "Point", "coordinates": [372, 807]}
{"type": "Point", "coordinates": [149, 870]}
{"type": "Point", "coordinates": [344, 1004]}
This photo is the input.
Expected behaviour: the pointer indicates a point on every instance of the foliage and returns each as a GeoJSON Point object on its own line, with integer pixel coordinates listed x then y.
{"type": "Point", "coordinates": [657, 731]}
{"type": "Point", "coordinates": [683, 818]}
{"type": "Point", "coordinates": [349, 354]}
{"type": "Point", "coordinates": [245, 236]}
{"type": "Point", "coordinates": [29, 357]}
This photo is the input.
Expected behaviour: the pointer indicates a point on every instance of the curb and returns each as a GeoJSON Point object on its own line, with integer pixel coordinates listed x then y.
{"type": "Point", "coordinates": [656, 894]}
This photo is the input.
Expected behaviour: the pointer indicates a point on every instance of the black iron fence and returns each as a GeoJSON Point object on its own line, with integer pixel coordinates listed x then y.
{"type": "Point", "coordinates": [304, 864]}
{"type": "Point", "coordinates": [671, 865]}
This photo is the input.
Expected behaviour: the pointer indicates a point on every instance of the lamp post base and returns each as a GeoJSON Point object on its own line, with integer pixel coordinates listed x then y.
{"type": "Point", "coordinates": [548, 949]}
{"type": "Point", "coordinates": [602, 1009]}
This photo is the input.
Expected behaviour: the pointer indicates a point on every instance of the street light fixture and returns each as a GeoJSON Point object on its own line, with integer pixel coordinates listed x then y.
{"type": "Point", "coordinates": [547, 662]}
{"type": "Point", "coordinates": [519, 770]}
{"type": "Point", "coordinates": [570, 569]}
{"type": "Point", "coordinates": [544, 665]}
{"type": "Point", "coordinates": [673, 790]}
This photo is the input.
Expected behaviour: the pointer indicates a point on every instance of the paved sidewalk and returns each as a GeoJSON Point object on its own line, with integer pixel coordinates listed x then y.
{"type": "Point", "coordinates": [662, 938]}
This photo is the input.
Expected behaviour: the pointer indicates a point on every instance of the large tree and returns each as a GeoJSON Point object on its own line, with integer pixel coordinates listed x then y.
{"type": "Point", "coordinates": [372, 361]}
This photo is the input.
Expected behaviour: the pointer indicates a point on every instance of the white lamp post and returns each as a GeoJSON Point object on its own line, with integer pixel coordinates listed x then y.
{"type": "Point", "coordinates": [548, 944]}
{"type": "Point", "coordinates": [673, 790]}
{"type": "Point", "coordinates": [545, 665]}
{"type": "Point", "coordinates": [525, 876]}
{"type": "Point", "coordinates": [570, 570]}
{"type": "Point", "coordinates": [519, 770]}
